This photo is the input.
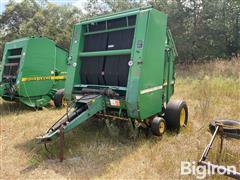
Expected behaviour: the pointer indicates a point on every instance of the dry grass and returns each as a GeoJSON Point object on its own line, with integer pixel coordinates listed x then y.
{"type": "Point", "coordinates": [212, 91]}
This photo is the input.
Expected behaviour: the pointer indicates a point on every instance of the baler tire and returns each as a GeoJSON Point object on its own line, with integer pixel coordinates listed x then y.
{"type": "Point", "coordinates": [158, 126]}
{"type": "Point", "coordinates": [7, 99]}
{"type": "Point", "coordinates": [176, 114]}
{"type": "Point", "coordinates": [59, 98]}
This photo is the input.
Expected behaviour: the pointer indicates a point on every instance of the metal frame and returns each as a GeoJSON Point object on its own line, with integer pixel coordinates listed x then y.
{"type": "Point", "coordinates": [217, 168]}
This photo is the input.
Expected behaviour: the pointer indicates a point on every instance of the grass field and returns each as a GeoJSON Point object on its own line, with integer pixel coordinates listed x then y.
{"type": "Point", "coordinates": [212, 91]}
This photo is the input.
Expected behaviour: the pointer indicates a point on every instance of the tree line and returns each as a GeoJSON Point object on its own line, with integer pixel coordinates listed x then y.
{"type": "Point", "coordinates": [202, 29]}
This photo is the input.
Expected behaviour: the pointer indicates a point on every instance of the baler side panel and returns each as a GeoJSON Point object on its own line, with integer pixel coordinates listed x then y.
{"type": "Point", "coordinates": [165, 78]}
{"type": "Point", "coordinates": [13, 53]}
{"type": "Point", "coordinates": [37, 64]}
{"type": "Point", "coordinates": [11, 46]}
{"type": "Point", "coordinates": [169, 70]}
{"type": "Point", "coordinates": [3, 61]}
{"type": "Point", "coordinates": [151, 82]}
{"type": "Point", "coordinates": [132, 95]}
{"type": "Point", "coordinates": [60, 67]}
{"type": "Point", "coordinates": [74, 63]}
{"type": "Point", "coordinates": [172, 53]}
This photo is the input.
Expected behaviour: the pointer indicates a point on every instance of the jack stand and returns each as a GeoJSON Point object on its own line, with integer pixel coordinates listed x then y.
{"type": "Point", "coordinates": [221, 143]}
{"type": "Point", "coordinates": [61, 154]}
{"type": "Point", "coordinates": [222, 138]}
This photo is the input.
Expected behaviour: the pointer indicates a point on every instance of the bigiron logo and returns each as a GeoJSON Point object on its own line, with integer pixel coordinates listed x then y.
{"type": "Point", "coordinates": [201, 172]}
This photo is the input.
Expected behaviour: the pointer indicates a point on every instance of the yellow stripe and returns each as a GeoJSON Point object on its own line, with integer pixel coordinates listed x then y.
{"type": "Point", "coordinates": [42, 78]}
{"type": "Point", "coordinates": [57, 77]}
{"type": "Point", "coordinates": [151, 89]}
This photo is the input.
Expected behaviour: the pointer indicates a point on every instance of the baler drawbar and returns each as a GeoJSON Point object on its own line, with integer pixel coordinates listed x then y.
{"type": "Point", "coordinates": [86, 106]}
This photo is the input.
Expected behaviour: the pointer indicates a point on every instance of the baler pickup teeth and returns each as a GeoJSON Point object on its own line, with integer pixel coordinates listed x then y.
{"type": "Point", "coordinates": [72, 119]}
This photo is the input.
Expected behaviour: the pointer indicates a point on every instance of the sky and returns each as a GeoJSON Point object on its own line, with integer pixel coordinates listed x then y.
{"type": "Point", "coordinates": [77, 3]}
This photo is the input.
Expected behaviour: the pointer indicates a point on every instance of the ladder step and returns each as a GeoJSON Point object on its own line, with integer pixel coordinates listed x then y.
{"type": "Point", "coordinates": [9, 77]}
{"type": "Point", "coordinates": [11, 64]}
{"type": "Point", "coordinates": [14, 57]}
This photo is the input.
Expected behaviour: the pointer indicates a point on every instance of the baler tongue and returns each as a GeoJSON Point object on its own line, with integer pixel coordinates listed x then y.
{"type": "Point", "coordinates": [89, 106]}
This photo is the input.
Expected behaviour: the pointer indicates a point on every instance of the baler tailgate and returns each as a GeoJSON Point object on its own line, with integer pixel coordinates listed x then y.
{"type": "Point", "coordinates": [90, 105]}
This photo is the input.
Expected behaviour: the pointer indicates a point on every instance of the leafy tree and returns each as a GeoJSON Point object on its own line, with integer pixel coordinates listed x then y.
{"type": "Point", "coordinates": [38, 18]}
{"type": "Point", "coordinates": [203, 29]}
{"type": "Point", "coordinates": [99, 7]}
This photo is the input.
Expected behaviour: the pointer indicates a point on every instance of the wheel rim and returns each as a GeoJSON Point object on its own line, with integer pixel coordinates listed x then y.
{"type": "Point", "coordinates": [161, 127]}
{"type": "Point", "coordinates": [64, 102]}
{"type": "Point", "coordinates": [182, 117]}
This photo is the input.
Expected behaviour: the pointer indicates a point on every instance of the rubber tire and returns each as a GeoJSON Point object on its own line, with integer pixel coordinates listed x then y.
{"type": "Point", "coordinates": [7, 99]}
{"type": "Point", "coordinates": [172, 114]}
{"type": "Point", "coordinates": [58, 98]}
{"type": "Point", "coordinates": [155, 126]}
{"type": "Point", "coordinates": [227, 131]}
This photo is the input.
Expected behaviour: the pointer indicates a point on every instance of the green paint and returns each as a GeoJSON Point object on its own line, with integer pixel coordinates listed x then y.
{"type": "Point", "coordinates": [132, 94]}
{"type": "Point", "coordinates": [73, 62]}
{"type": "Point", "coordinates": [96, 105]}
{"type": "Point", "coordinates": [40, 60]}
{"type": "Point", "coordinates": [152, 66]}
{"type": "Point", "coordinates": [109, 30]}
{"type": "Point", "coordinates": [151, 70]}
{"type": "Point", "coordinates": [106, 53]}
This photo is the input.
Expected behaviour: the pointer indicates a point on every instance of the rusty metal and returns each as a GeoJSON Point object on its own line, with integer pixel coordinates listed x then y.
{"type": "Point", "coordinates": [221, 138]}
{"type": "Point", "coordinates": [113, 117]}
{"type": "Point", "coordinates": [61, 154]}
{"type": "Point", "coordinates": [48, 151]}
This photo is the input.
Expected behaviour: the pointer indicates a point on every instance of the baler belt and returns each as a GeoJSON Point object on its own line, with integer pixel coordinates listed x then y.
{"type": "Point", "coordinates": [97, 27]}
{"type": "Point", "coordinates": [91, 72]}
{"type": "Point", "coordinates": [95, 42]}
{"type": "Point", "coordinates": [116, 70]}
{"type": "Point", "coordinates": [120, 39]}
{"type": "Point", "coordinates": [106, 70]}
{"type": "Point", "coordinates": [92, 67]}
{"type": "Point", "coordinates": [117, 23]}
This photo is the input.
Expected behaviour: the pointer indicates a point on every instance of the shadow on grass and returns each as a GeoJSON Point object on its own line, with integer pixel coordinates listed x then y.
{"type": "Point", "coordinates": [228, 156]}
{"type": "Point", "coordinates": [89, 150]}
{"type": "Point", "coordinates": [7, 108]}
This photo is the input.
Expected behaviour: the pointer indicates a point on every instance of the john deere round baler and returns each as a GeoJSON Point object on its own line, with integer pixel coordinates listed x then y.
{"type": "Point", "coordinates": [33, 69]}
{"type": "Point", "coordinates": [121, 66]}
